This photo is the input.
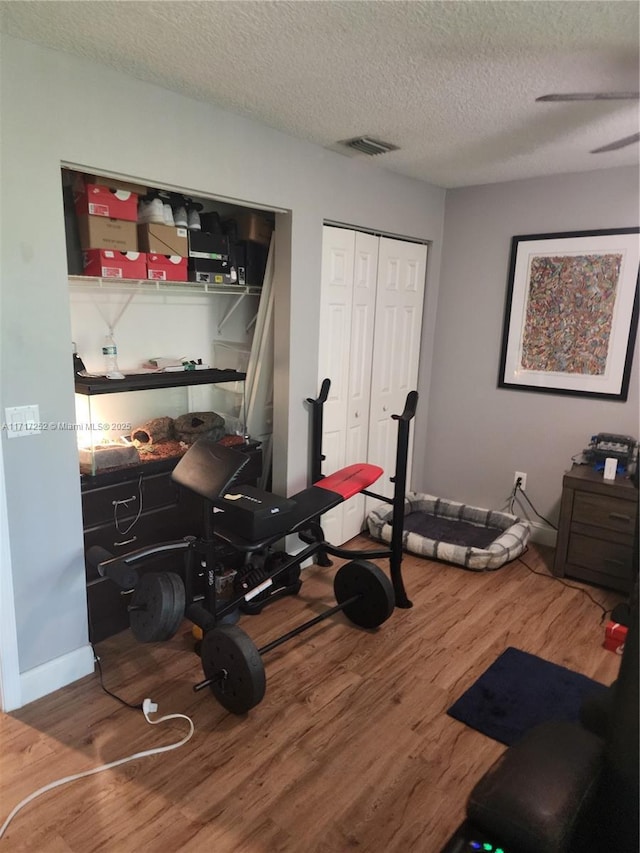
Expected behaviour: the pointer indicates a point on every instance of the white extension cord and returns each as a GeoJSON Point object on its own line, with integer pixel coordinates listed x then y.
{"type": "Point", "coordinates": [148, 707]}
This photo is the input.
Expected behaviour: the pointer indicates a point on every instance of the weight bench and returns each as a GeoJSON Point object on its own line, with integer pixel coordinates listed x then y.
{"type": "Point", "coordinates": [252, 520]}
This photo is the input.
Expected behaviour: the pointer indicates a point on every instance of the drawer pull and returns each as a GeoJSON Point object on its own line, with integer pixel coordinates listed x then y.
{"type": "Point", "coordinates": [124, 502]}
{"type": "Point", "coordinates": [620, 516]}
{"type": "Point", "coordinates": [124, 542]}
{"type": "Point", "coordinates": [116, 504]}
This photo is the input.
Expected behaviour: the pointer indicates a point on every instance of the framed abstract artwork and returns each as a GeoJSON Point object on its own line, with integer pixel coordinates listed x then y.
{"type": "Point", "coordinates": [571, 314]}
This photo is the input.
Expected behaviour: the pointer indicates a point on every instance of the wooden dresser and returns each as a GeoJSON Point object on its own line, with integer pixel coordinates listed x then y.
{"type": "Point", "coordinates": [598, 530]}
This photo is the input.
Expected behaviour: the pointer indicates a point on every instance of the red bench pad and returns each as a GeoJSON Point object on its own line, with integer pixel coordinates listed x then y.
{"type": "Point", "coordinates": [351, 480]}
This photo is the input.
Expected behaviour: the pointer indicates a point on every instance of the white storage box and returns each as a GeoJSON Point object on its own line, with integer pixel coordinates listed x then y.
{"type": "Point", "coordinates": [231, 355]}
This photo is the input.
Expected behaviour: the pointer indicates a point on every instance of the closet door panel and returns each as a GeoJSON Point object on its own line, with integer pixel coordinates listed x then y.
{"type": "Point", "coordinates": [353, 510]}
{"type": "Point", "coordinates": [338, 249]}
{"type": "Point", "coordinates": [359, 400]}
{"type": "Point", "coordinates": [370, 325]}
{"type": "Point", "coordinates": [338, 252]}
{"type": "Point", "coordinates": [396, 351]}
{"type": "Point", "coordinates": [334, 451]}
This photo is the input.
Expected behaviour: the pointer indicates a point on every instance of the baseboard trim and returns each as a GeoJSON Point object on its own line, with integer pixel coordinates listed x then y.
{"type": "Point", "coordinates": [54, 674]}
{"type": "Point", "coordinates": [542, 534]}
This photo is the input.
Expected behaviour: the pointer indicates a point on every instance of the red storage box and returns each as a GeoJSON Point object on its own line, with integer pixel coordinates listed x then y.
{"type": "Point", "coordinates": [615, 636]}
{"type": "Point", "coordinates": [166, 268]}
{"type": "Point", "coordinates": [109, 263]}
{"type": "Point", "coordinates": [98, 200]}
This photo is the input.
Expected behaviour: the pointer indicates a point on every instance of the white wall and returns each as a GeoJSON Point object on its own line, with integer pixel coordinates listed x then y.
{"type": "Point", "coordinates": [59, 109]}
{"type": "Point", "coordinates": [479, 434]}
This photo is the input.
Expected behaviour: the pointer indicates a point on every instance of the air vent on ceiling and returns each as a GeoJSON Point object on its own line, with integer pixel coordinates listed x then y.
{"type": "Point", "coordinates": [367, 145]}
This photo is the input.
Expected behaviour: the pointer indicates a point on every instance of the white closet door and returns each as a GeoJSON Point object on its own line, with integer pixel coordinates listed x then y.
{"type": "Point", "coordinates": [359, 394]}
{"type": "Point", "coordinates": [338, 248]}
{"type": "Point", "coordinates": [396, 351]}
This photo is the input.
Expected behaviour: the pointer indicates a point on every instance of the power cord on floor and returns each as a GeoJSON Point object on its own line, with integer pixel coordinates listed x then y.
{"type": "Point", "coordinates": [96, 658]}
{"type": "Point", "coordinates": [517, 489]}
{"type": "Point", "coordinates": [148, 707]}
{"type": "Point", "coordinates": [570, 585]}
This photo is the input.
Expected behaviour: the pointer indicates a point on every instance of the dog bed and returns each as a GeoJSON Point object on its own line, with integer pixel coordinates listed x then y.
{"type": "Point", "coordinates": [478, 539]}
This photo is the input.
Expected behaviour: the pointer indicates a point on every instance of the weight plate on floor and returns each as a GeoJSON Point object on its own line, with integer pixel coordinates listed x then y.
{"type": "Point", "coordinates": [376, 602]}
{"type": "Point", "coordinates": [232, 662]}
{"type": "Point", "coordinates": [157, 607]}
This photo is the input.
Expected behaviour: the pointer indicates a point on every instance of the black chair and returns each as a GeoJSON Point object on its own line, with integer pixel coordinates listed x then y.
{"type": "Point", "coordinates": [566, 787]}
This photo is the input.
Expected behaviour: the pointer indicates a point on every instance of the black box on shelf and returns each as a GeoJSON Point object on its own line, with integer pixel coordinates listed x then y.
{"type": "Point", "coordinates": [207, 271]}
{"type": "Point", "coordinates": [209, 267]}
{"type": "Point", "coordinates": [250, 260]}
{"type": "Point", "coordinates": [205, 246]}
{"type": "Point", "coordinates": [211, 222]}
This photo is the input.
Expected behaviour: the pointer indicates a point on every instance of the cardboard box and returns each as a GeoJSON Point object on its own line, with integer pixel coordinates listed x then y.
{"type": "Point", "coordinates": [163, 240]}
{"type": "Point", "coordinates": [204, 245]}
{"type": "Point", "coordinates": [166, 268]}
{"type": "Point", "coordinates": [108, 263]}
{"type": "Point", "coordinates": [249, 226]}
{"type": "Point", "coordinates": [97, 232]}
{"type": "Point", "coordinates": [98, 200]}
{"type": "Point", "coordinates": [112, 183]}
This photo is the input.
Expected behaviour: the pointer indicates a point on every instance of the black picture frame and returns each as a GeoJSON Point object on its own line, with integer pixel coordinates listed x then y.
{"type": "Point", "coordinates": [571, 313]}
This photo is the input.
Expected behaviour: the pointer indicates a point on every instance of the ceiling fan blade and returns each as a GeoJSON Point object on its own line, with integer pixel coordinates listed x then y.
{"type": "Point", "coordinates": [621, 143]}
{"type": "Point", "coordinates": [592, 96]}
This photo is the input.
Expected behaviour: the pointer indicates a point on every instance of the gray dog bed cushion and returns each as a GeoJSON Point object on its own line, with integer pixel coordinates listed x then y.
{"type": "Point", "coordinates": [476, 538]}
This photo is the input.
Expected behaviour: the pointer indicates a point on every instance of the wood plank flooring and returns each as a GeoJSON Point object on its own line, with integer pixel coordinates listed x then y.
{"type": "Point", "coordinates": [351, 748]}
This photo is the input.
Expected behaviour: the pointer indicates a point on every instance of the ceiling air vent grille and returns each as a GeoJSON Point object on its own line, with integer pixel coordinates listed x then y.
{"type": "Point", "coordinates": [367, 145]}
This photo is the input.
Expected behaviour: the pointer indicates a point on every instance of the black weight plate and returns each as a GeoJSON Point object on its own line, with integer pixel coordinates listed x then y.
{"type": "Point", "coordinates": [376, 602]}
{"type": "Point", "coordinates": [179, 603]}
{"type": "Point", "coordinates": [157, 607]}
{"type": "Point", "coordinates": [232, 661]}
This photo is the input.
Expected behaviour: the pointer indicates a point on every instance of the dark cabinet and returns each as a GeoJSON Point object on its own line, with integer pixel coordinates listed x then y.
{"type": "Point", "coordinates": [598, 530]}
{"type": "Point", "coordinates": [142, 509]}
{"type": "Point", "coordinates": [139, 505]}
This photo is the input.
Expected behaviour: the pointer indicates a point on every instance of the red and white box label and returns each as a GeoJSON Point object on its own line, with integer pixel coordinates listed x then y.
{"type": "Point", "coordinates": [166, 267]}
{"type": "Point", "coordinates": [109, 263]}
{"type": "Point", "coordinates": [97, 200]}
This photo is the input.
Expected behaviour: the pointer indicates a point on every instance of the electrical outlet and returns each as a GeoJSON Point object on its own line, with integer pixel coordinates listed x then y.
{"type": "Point", "coordinates": [520, 475]}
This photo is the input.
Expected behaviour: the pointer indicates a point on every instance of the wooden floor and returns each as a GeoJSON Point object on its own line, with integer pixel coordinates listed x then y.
{"type": "Point", "coordinates": [351, 748]}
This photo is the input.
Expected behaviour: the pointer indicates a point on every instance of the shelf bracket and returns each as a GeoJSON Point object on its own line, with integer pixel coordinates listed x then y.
{"type": "Point", "coordinates": [111, 325]}
{"type": "Point", "coordinates": [230, 311]}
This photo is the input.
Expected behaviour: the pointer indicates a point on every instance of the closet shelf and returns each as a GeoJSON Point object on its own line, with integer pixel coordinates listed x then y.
{"type": "Point", "coordinates": [147, 381]}
{"type": "Point", "coordinates": [144, 286]}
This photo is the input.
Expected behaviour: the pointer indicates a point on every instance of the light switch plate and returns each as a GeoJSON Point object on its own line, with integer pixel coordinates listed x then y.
{"type": "Point", "coordinates": [21, 421]}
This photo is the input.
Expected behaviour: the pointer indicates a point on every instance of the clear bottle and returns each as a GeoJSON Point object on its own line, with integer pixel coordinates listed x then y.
{"type": "Point", "coordinates": [110, 354]}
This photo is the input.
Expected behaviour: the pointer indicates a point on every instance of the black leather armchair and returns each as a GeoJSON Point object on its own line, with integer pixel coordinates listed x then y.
{"type": "Point", "coordinates": [566, 787]}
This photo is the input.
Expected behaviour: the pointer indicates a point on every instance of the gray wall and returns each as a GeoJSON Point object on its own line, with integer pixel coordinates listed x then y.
{"type": "Point", "coordinates": [478, 434]}
{"type": "Point", "coordinates": [59, 109]}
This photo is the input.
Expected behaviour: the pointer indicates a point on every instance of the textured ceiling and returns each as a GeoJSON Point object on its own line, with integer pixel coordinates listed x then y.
{"type": "Point", "coordinates": [453, 84]}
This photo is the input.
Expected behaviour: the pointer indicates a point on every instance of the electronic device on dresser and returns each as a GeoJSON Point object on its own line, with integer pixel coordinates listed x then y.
{"type": "Point", "coordinates": [606, 445]}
